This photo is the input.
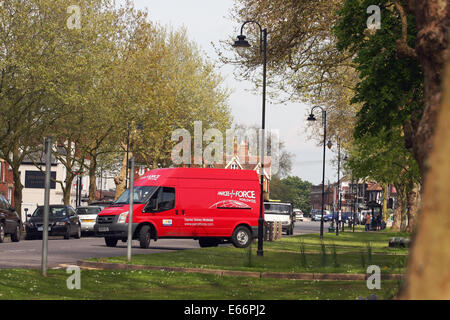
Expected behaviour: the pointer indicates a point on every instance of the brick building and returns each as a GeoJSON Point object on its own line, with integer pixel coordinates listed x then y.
{"type": "Point", "coordinates": [6, 181]}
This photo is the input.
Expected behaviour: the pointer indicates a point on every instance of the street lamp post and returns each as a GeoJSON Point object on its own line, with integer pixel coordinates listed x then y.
{"type": "Point", "coordinates": [324, 118]}
{"type": "Point", "coordinates": [241, 42]}
{"type": "Point", "coordinates": [338, 183]}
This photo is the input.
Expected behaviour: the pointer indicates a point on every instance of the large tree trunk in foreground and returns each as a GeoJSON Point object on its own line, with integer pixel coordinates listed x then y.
{"type": "Point", "coordinates": [428, 273]}
{"type": "Point", "coordinates": [433, 20]}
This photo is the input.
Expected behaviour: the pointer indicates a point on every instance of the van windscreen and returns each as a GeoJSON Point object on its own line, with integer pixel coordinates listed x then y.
{"type": "Point", "coordinates": [276, 208]}
{"type": "Point", "coordinates": [141, 195]}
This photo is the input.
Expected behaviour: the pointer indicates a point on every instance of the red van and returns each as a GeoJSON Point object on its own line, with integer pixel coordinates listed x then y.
{"type": "Point", "coordinates": [210, 205]}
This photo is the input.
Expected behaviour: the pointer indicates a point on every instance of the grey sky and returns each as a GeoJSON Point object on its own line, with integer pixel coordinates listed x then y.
{"type": "Point", "coordinates": [206, 21]}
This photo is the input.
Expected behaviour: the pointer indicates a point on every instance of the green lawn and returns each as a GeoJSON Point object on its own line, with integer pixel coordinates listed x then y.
{"type": "Point", "coordinates": [347, 253]}
{"type": "Point", "coordinates": [345, 242]}
{"type": "Point", "coordinates": [160, 285]}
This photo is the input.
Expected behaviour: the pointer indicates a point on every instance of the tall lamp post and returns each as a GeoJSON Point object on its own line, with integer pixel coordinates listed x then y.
{"type": "Point", "coordinates": [241, 42]}
{"type": "Point", "coordinates": [339, 206]}
{"type": "Point", "coordinates": [324, 118]}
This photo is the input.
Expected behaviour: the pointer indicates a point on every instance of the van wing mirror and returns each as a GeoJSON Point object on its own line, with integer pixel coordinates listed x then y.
{"type": "Point", "coordinates": [151, 205]}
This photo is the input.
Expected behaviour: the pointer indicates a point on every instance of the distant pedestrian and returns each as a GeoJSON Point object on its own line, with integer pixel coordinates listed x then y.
{"type": "Point", "coordinates": [379, 221]}
{"type": "Point", "coordinates": [368, 218]}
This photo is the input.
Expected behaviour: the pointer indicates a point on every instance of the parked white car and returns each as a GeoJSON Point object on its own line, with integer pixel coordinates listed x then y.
{"type": "Point", "coordinates": [298, 214]}
{"type": "Point", "coordinates": [88, 215]}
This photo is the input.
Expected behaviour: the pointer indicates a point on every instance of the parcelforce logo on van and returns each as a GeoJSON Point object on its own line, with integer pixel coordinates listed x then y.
{"type": "Point", "coordinates": [239, 194]}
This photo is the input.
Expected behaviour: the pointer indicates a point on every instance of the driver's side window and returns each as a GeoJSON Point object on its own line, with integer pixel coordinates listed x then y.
{"type": "Point", "coordinates": [162, 200]}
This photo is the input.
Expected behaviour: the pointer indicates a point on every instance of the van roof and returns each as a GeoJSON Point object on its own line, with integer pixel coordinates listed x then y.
{"type": "Point", "coordinates": [197, 173]}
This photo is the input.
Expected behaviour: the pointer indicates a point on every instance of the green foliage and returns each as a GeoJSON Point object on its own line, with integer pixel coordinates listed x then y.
{"type": "Point", "coordinates": [383, 158]}
{"type": "Point", "coordinates": [390, 88]}
{"type": "Point", "coordinates": [90, 87]}
{"type": "Point", "coordinates": [291, 189]}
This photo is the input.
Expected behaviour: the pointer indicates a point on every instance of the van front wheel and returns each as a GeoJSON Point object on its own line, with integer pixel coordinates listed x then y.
{"type": "Point", "coordinates": [242, 237]}
{"type": "Point", "coordinates": [144, 237]}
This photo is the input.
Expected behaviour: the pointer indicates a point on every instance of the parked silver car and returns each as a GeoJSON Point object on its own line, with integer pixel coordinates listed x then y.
{"type": "Point", "coordinates": [88, 215]}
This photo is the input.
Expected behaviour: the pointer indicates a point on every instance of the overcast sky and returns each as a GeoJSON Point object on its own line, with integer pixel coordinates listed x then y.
{"type": "Point", "coordinates": [206, 21]}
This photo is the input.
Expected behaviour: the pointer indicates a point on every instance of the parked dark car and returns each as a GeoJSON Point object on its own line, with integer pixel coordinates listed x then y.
{"type": "Point", "coordinates": [10, 223]}
{"type": "Point", "coordinates": [62, 221]}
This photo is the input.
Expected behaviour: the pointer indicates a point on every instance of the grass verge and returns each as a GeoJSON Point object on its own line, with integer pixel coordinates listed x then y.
{"type": "Point", "coordinates": [347, 253]}
{"type": "Point", "coordinates": [160, 285]}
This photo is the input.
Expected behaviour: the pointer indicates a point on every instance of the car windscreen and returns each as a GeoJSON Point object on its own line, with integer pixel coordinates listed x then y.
{"type": "Point", "coordinates": [141, 195]}
{"type": "Point", "coordinates": [82, 211]}
{"type": "Point", "coordinates": [53, 212]}
{"type": "Point", "coordinates": [275, 208]}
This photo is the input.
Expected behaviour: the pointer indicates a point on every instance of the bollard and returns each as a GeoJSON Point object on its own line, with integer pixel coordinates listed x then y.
{"type": "Point", "coordinates": [270, 227]}
{"type": "Point", "coordinates": [280, 230]}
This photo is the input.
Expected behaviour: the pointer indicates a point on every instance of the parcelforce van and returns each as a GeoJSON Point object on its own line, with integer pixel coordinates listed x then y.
{"type": "Point", "coordinates": [206, 204]}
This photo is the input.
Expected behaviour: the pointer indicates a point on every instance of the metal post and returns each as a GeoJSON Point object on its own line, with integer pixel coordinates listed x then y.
{"type": "Point", "coordinates": [338, 187]}
{"type": "Point", "coordinates": [260, 251]}
{"type": "Point", "coordinates": [48, 152]}
{"type": "Point", "coordinates": [76, 190]}
{"type": "Point", "coordinates": [130, 209]}
{"type": "Point", "coordinates": [128, 146]}
{"type": "Point", "coordinates": [80, 188]}
{"type": "Point", "coordinates": [324, 116]}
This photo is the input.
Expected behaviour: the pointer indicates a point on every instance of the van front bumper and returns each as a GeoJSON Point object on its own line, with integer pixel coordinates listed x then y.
{"type": "Point", "coordinates": [113, 230]}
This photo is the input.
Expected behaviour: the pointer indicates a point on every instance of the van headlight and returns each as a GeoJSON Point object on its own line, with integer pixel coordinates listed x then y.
{"type": "Point", "coordinates": [122, 217]}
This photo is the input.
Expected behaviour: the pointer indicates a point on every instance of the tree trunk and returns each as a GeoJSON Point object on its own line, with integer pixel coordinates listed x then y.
{"type": "Point", "coordinates": [67, 189]}
{"type": "Point", "coordinates": [385, 202]}
{"type": "Point", "coordinates": [18, 187]}
{"type": "Point", "coordinates": [428, 272]}
{"type": "Point", "coordinates": [399, 209]}
{"type": "Point", "coordinates": [15, 163]}
{"type": "Point", "coordinates": [121, 178]}
{"type": "Point", "coordinates": [93, 178]}
{"type": "Point", "coordinates": [433, 20]}
{"type": "Point", "coordinates": [413, 204]}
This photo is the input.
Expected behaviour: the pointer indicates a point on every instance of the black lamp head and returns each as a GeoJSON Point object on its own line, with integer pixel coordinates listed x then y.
{"type": "Point", "coordinates": [329, 144]}
{"type": "Point", "coordinates": [241, 42]}
{"type": "Point", "coordinates": [311, 117]}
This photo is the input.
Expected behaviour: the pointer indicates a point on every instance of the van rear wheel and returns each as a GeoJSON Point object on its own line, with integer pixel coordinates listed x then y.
{"type": "Point", "coordinates": [242, 237]}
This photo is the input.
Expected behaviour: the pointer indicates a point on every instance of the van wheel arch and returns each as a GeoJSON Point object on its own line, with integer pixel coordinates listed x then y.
{"type": "Point", "coordinates": [154, 233]}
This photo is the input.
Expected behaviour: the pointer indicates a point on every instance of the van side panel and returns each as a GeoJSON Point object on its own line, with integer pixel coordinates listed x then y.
{"type": "Point", "coordinates": [214, 207]}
